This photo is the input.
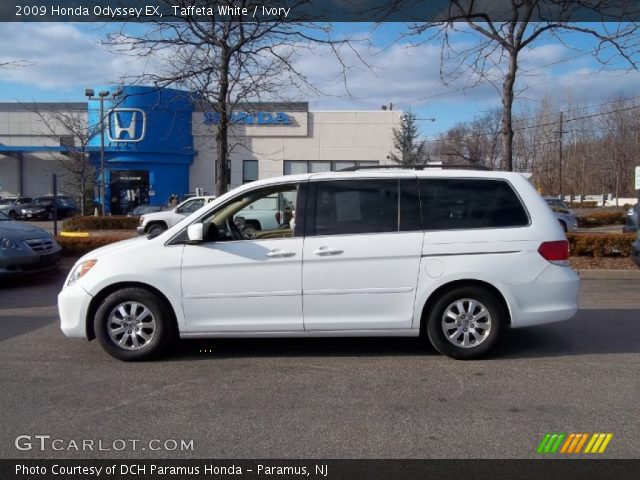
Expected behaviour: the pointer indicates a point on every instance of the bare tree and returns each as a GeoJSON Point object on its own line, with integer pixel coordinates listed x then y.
{"type": "Point", "coordinates": [227, 64]}
{"type": "Point", "coordinates": [473, 143]}
{"type": "Point", "coordinates": [70, 128]}
{"type": "Point", "coordinates": [601, 144]}
{"type": "Point", "coordinates": [502, 30]}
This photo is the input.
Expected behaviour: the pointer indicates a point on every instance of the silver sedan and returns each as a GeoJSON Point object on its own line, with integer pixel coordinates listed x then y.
{"type": "Point", "coordinates": [25, 248]}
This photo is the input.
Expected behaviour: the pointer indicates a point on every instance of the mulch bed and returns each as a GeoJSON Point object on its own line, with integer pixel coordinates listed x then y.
{"type": "Point", "coordinates": [605, 263]}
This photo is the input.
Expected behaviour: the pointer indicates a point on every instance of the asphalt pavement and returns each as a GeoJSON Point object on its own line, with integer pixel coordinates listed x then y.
{"type": "Point", "coordinates": [320, 398]}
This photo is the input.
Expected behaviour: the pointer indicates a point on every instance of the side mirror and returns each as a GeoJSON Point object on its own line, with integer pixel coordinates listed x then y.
{"type": "Point", "coordinates": [194, 233]}
{"type": "Point", "coordinates": [240, 222]}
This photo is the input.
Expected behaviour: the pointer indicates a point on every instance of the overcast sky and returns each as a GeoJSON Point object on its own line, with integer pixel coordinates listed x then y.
{"type": "Point", "coordinates": [65, 58]}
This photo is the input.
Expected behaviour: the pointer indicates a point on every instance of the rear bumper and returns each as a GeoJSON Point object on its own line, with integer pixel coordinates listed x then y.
{"type": "Point", "coordinates": [552, 297]}
{"type": "Point", "coordinates": [140, 230]}
{"type": "Point", "coordinates": [73, 305]}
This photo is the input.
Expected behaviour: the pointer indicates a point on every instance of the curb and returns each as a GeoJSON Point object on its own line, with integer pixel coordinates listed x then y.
{"type": "Point", "coordinates": [609, 274]}
{"type": "Point", "coordinates": [74, 234]}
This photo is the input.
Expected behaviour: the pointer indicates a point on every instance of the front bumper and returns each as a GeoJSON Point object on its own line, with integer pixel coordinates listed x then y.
{"type": "Point", "coordinates": [27, 215]}
{"type": "Point", "coordinates": [552, 297]}
{"type": "Point", "coordinates": [73, 305]}
{"type": "Point", "coordinates": [572, 224]}
{"type": "Point", "coordinates": [29, 262]}
{"type": "Point", "coordinates": [636, 251]}
{"type": "Point", "coordinates": [140, 230]}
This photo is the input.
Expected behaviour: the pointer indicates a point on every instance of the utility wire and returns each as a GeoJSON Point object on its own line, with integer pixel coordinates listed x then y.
{"type": "Point", "coordinates": [527, 127]}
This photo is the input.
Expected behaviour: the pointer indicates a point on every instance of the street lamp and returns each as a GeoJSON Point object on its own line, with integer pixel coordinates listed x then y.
{"type": "Point", "coordinates": [102, 96]}
{"type": "Point", "coordinates": [403, 118]}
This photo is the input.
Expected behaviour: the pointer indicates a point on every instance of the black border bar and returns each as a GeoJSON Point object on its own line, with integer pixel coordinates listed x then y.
{"type": "Point", "coordinates": [309, 10]}
{"type": "Point", "coordinates": [132, 469]}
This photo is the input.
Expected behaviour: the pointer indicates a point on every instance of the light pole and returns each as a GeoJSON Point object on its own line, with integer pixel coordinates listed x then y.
{"type": "Point", "coordinates": [403, 118]}
{"type": "Point", "coordinates": [102, 96]}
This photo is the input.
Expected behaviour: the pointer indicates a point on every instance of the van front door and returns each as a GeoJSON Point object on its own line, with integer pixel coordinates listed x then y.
{"type": "Point", "coordinates": [245, 280]}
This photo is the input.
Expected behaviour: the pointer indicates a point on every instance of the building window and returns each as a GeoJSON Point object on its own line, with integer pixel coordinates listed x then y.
{"type": "Point", "coordinates": [292, 167]}
{"type": "Point", "coordinates": [249, 171]}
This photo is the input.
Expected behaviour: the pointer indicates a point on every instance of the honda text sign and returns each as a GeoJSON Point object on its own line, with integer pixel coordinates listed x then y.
{"type": "Point", "coordinates": [126, 125]}
{"type": "Point", "coordinates": [250, 118]}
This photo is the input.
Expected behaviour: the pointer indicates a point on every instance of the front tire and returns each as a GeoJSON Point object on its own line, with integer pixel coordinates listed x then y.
{"type": "Point", "coordinates": [156, 229]}
{"type": "Point", "coordinates": [133, 324]}
{"type": "Point", "coordinates": [466, 322]}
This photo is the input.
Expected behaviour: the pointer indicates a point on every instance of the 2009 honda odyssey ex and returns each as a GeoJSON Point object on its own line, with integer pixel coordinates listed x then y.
{"type": "Point", "coordinates": [456, 256]}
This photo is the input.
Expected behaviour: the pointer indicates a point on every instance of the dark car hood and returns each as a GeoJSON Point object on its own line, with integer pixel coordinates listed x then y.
{"type": "Point", "coordinates": [20, 231]}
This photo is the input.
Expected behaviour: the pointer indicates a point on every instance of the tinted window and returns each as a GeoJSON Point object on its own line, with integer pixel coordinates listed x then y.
{"type": "Point", "coordinates": [468, 203]}
{"type": "Point", "coordinates": [364, 206]}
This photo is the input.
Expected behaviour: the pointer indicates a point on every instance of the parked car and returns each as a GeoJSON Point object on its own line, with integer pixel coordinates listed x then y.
{"type": "Point", "coordinates": [12, 206]}
{"type": "Point", "coordinates": [25, 248]}
{"type": "Point", "coordinates": [631, 225]}
{"type": "Point", "coordinates": [456, 256]}
{"type": "Point", "coordinates": [157, 222]}
{"type": "Point", "coordinates": [564, 214]}
{"type": "Point", "coordinates": [42, 208]}
{"type": "Point", "coordinates": [559, 204]}
{"type": "Point", "coordinates": [636, 250]}
{"type": "Point", "coordinates": [144, 209]}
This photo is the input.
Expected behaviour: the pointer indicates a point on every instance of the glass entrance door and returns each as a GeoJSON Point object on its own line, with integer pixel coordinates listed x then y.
{"type": "Point", "coordinates": [128, 189]}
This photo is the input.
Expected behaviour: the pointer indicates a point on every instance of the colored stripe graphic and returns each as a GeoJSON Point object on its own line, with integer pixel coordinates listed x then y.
{"type": "Point", "coordinates": [584, 439]}
{"type": "Point", "coordinates": [572, 443]}
{"type": "Point", "coordinates": [551, 442]}
{"type": "Point", "coordinates": [598, 442]}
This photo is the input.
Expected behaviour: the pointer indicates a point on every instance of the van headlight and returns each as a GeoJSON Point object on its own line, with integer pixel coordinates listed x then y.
{"type": "Point", "coordinates": [80, 271]}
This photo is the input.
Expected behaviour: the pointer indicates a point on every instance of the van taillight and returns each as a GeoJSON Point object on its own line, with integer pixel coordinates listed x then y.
{"type": "Point", "coordinates": [555, 252]}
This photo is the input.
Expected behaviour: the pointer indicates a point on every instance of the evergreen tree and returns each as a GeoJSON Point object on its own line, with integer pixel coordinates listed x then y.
{"type": "Point", "coordinates": [406, 141]}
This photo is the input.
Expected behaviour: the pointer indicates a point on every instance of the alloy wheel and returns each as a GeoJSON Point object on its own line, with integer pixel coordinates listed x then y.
{"type": "Point", "coordinates": [131, 325]}
{"type": "Point", "coordinates": [466, 323]}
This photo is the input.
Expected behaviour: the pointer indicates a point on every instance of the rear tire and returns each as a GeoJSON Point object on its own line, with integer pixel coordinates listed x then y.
{"type": "Point", "coordinates": [134, 324]}
{"type": "Point", "coordinates": [466, 322]}
{"type": "Point", "coordinates": [12, 215]}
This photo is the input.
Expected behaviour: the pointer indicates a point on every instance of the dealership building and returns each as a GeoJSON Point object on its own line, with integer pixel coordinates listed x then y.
{"type": "Point", "coordinates": [159, 142]}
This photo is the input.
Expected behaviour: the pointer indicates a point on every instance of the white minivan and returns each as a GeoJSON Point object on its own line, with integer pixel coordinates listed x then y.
{"type": "Point", "coordinates": [455, 256]}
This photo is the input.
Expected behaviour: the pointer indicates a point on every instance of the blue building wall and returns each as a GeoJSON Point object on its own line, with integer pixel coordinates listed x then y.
{"type": "Point", "coordinates": [166, 149]}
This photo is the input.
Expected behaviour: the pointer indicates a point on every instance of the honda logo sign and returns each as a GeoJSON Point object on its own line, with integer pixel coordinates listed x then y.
{"type": "Point", "coordinates": [127, 125]}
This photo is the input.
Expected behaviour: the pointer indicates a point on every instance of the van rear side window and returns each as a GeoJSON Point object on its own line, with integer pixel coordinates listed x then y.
{"type": "Point", "coordinates": [451, 204]}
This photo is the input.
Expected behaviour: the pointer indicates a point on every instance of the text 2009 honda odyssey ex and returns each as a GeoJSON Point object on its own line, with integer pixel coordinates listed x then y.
{"type": "Point", "coordinates": [456, 256]}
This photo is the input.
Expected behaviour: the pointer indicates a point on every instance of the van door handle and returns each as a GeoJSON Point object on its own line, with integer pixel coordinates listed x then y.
{"type": "Point", "coordinates": [326, 251]}
{"type": "Point", "coordinates": [280, 254]}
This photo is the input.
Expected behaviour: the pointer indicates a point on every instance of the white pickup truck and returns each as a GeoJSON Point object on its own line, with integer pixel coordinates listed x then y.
{"type": "Point", "coordinates": [158, 222]}
{"type": "Point", "coordinates": [266, 214]}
